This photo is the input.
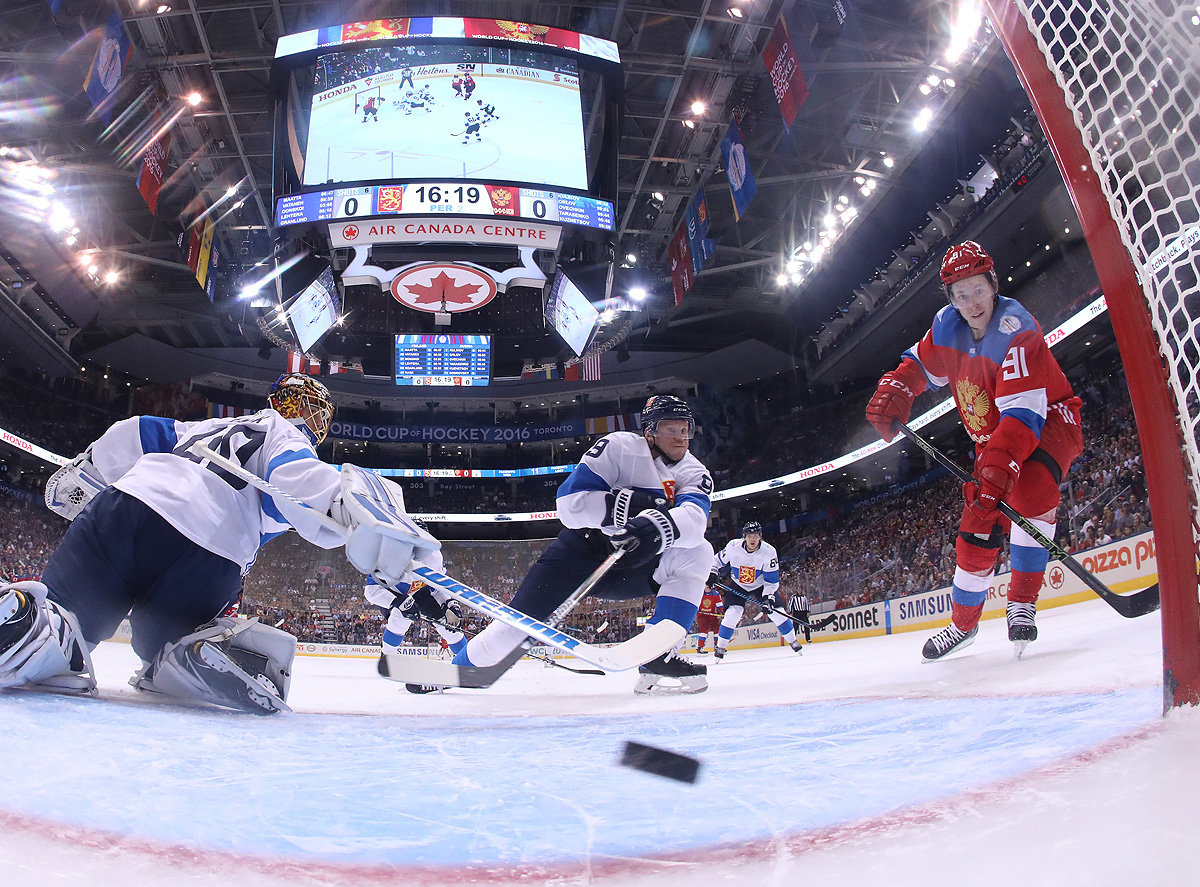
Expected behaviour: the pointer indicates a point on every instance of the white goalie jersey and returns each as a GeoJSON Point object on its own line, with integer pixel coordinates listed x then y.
{"type": "Point", "coordinates": [750, 569]}
{"type": "Point", "coordinates": [149, 458]}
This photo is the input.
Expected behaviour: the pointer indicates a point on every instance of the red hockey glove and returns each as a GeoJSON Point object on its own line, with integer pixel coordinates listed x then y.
{"type": "Point", "coordinates": [892, 402]}
{"type": "Point", "coordinates": [996, 474]}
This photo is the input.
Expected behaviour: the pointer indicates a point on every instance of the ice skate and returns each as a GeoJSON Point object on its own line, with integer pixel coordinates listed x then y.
{"type": "Point", "coordinates": [1022, 629]}
{"type": "Point", "coordinates": [718, 654]}
{"type": "Point", "coordinates": [687, 676]}
{"type": "Point", "coordinates": [421, 689]}
{"type": "Point", "coordinates": [797, 646]}
{"type": "Point", "coordinates": [948, 640]}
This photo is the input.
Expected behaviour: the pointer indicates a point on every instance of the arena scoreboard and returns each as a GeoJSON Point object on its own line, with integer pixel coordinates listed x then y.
{"type": "Point", "coordinates": [443, 360]}
{"type": "Point", "coordinates": [445, 198]}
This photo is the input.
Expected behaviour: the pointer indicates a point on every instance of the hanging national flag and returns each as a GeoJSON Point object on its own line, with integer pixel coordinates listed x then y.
{"type": "Point", "coordinates": [302, 363]}
{"type": "Point", "coordinates": [606, 424]}
{"type": "Point", "coordinates": [779, 57]}
{"type": "Point", "coordinates": [540, 371]}
{"type": "Point", "coordinates": [154, 167]}
{"type": "Point", "coordinates": [695, 222]}
{"type": "Point", "coordinates": [104, 76]}
{"type": "Point", "coordinates": [571, 373]}
{"type": "Point", "coordinates": [591, 367]}
{"type": "Point", "coordinates": [221, 411]}
{"type": "Point", "coordinates": [737, 169]}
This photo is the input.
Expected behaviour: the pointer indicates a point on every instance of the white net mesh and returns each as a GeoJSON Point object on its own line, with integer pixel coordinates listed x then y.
{"type": "Point", "coordinates": [1130, 72]}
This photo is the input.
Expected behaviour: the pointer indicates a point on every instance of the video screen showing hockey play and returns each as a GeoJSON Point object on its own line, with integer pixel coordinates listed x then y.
{"type": "Point", "coordinates": [449, 112]}
{"type": "Point", "coordinates": [791, 477]}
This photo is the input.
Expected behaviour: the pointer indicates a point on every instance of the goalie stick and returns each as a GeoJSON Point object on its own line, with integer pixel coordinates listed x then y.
{"type": "Point", "coordinates": [766, 608]}
{"type": "Point", "coordinates": [652, 641]}
{"type": "Point", "coordinates": [619, 658]}
{"type": "Point", "coordinates": [1139, 603]}
{"type": "Point", "coordinates": [538, 656]}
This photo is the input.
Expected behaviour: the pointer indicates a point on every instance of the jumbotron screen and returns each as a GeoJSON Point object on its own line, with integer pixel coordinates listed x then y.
{"type": "Point", "coordinates": [443, 360]}
{"type": "Point", "coordinates": [445, 112]}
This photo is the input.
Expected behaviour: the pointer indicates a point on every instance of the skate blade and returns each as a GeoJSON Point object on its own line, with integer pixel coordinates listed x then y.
{"type": "Point", "coordinates": [1019, 648]}
{"type": "Point", "coordinates": [652, 685]}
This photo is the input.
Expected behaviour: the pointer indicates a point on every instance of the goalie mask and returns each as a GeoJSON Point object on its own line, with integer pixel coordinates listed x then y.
{"type": "Point", "coordinates": [304, 402]}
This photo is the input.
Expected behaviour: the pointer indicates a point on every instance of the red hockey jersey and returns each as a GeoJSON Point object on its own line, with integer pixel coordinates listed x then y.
{"type": "Point", "coordinates": [1008, 374]}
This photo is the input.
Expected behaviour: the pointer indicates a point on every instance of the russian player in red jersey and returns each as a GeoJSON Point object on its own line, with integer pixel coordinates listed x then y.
{"type": "Point", "coordinates": [708, 620]}
{"type": "Point", "coordinates": [1022, 415]}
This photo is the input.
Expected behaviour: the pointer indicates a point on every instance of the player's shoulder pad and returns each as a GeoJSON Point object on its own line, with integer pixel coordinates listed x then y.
{"type": "Point", "coordinates": [769, 549]}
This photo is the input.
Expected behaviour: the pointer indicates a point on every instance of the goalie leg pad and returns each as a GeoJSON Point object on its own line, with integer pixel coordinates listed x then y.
{"type": "Point", "coordinates": [40, 642]}
{"type": "Point", "coordinates": [232, 663]}
{"type": "Point", "coordinates": [382, 540]}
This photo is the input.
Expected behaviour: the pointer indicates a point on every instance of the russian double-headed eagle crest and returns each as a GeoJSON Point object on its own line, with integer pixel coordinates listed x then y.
{"type": "Point", "coordinates": [973, 404]}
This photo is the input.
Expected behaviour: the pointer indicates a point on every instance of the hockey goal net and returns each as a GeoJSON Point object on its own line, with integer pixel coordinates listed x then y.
{"type": "Point", "coordinates": [1115, 85]}
{"type": "Point", "coordinates": [364, 95]}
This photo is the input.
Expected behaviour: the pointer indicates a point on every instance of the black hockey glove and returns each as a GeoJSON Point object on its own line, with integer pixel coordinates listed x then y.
{"type": "Point", "coordinates": [646, 536]}
{"type": "Point", "coordinates": [407, 605]}
{"type": "Point", "coordinates": [713, 578]}
{"type": "Point", "coordinates": [624, 505]}
{"type": "Point", "coordinates": [452, 614]}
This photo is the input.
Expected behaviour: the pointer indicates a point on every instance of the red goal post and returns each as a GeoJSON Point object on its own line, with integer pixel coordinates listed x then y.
{"type": "Point", "coordinates": [1114, 86]}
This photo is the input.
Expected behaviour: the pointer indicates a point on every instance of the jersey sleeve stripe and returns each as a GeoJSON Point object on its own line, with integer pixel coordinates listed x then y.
{"type": "Point", "coordinates": [696, 499]}
{"type": "Point", "coordinates": [1033, 401]}
{"type": "Point", "coordinates": [771, 576]}
{"type": "Point", "coordinates": [583, 480]}
{"type": "Point", "coordinates": [285, 458]}
{"type": "Point", "coordinates": [271, 510]}
{"type": "Point", "coordinates": [157, 435]}
{"type": "Point", "coordinates": [1029, 419]}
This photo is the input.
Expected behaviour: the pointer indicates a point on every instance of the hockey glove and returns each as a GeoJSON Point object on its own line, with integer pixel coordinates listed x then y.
{"type": "Point", "coordinates": [996, 474]}
{"type": "Point", "coordinates": [646, 536]}
{"type": "Point", "coordinates": [713, 578]}
{"type": "Point", "coordinates": [892, 402]}
{"type": "Point", "coordinates": [623, 505]}
{"type": "Point", "coordinates": [452, 615]}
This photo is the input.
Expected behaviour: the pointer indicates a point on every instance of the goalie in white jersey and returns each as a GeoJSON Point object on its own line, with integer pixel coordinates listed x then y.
{"type": "Point", "coordinates": [647, 494]}
{"type": "Point", "coordinates": [164, 536]}
{"type": "Point", "coordinates": [753, 566]}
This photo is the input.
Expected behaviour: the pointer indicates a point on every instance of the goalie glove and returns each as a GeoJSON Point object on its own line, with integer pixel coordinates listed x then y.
{"type": "Point", "coordinates": [72, 487]}
{"type": "Point", "coordinates": [382, 539]}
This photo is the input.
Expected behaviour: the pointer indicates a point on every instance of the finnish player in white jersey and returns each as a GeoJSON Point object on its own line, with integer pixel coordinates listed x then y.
{"type": "Point", "coordinates": [647, 494]}
{"type": "Point", "coordinates": [164, 536]}
{"type": "Point", "coordinates": [412, 600]}
{"type": "Point", "coordinates": [753, 566]}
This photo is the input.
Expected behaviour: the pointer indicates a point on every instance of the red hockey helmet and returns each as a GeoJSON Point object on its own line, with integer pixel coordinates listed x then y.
{"type": "Point", "coordinates": [967, 259]}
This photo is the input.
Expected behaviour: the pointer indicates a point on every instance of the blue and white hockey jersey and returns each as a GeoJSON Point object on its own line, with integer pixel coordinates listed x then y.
{"type": "Point", "coordinates": [623, 460]}
{"type": "Point", "coordinates": [148, 458]}
{"type": "Point", "coordinates": [750, 569]}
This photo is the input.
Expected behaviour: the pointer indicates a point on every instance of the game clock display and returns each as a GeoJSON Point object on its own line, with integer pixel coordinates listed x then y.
{"type": "Point", "coordinates": [443, 360]}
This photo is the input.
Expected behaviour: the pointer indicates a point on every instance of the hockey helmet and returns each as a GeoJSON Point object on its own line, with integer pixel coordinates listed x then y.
{"type": "Point", "coordinates": [666, 406]}
{"type": "Point", "coordinates": [304, 402]}
{"type": "Point", "coordinates": [967, 259]}
{"type": "Point", "coordinates": [752, 527]}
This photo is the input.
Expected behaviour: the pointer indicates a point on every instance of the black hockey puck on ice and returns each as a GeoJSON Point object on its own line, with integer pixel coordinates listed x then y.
{"type": "Point", "coordinates": [660, 762]}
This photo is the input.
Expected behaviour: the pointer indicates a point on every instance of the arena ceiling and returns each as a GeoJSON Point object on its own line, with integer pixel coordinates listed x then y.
{"type": "Point", "coordinates": [864, 78]}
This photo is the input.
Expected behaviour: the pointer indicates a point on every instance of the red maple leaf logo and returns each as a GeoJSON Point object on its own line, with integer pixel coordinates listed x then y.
{"type": "Point", "coordinates": [350, 232]}
{"type": "Point", "coordinates": [443, 289]}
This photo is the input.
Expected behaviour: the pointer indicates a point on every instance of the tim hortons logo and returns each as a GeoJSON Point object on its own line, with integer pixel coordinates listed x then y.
{"type": "Point", "coordinates": [443, 288]}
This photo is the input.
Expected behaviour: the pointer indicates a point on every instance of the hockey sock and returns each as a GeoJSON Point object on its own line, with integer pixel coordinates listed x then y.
{"type": "Point", "coordinates": [965, 618]}
{"type": "Point", "coordinates": [786, 630]}
{"type": "Point", "coordinates": [1028, 563]}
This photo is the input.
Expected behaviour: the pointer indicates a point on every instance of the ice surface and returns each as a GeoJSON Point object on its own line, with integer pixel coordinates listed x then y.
{"type": "Point", "coordinates": [855, 761]}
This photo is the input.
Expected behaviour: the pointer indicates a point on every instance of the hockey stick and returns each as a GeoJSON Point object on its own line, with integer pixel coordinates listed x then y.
{"type": "Point", "coordinates": [769, 609]}
{"type": "Point", "coordinates": [1139, 603]}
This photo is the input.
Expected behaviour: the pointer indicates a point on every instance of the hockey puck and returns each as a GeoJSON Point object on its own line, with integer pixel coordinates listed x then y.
{"type": "Point", "coordinates": [660, 762]}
